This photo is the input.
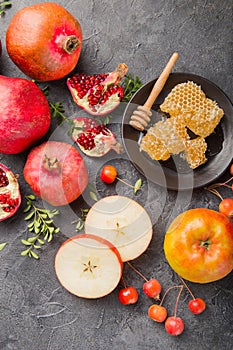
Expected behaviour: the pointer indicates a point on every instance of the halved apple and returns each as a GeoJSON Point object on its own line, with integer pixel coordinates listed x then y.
{"type": "Point", "coordinates": [123, 222]}
{"type": "Point", "coordinates": [88, 266]}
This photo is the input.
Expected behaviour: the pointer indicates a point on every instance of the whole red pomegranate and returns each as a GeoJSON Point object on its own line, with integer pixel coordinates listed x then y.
{"type": "Point", "coordinates": [25, 114]}
{"type": "Point", "coordinates": [98, 94]}
{"type": "Point", "coordinates": [44, 41]}
{"type": "Point", "coordinates": [94, 139]}
{"type": "Point", "coordinates": [10, 198]}
{"type": "Point", "coordinates": [56, 172]}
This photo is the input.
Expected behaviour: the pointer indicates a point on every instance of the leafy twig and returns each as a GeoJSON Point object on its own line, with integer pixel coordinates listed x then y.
{"type": "Point", "coordinates": [41, 225]}
{"type": "Point", "coordinates": [130, 86]}
{"type": "Point", "coordinates": [3, 6]}
{"type": "Point", "coordinates": [81, 220]}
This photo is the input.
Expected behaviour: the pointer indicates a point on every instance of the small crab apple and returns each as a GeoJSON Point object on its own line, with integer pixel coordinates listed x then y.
{"type": "Point", "coordinates": [128, 295]}
{"type": "Point", "coordinates": [174, 325]}
{"type": "Point", "coordinates": [108, 174]}
{"type": "Point", "coordinates": [157, 313]}
{"type": "Point", "coordinates": [152, 288]}
{"type": "Point", "coordinates": [197, 306]}
{"type": "Point", "coordinates": [226, 207]}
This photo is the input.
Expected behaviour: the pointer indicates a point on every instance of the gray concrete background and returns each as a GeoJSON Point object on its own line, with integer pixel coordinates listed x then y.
{"type": "Point", "coordinates": [36, 312]}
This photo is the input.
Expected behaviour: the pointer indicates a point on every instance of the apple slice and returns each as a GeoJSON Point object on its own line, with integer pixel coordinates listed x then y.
{"type": "Point", "coordinates": [123, 222]}
{"type": "Point", "coordinates": [88, 266]}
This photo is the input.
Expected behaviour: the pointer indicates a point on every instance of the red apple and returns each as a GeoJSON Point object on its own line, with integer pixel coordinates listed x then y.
{"type": "Point", "coordinates": [198, 245]}
{"type": "Point", "coordinates": [88, 266]}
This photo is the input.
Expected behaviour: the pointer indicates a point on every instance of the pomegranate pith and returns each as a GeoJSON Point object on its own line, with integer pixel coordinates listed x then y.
{"type": "Point", "coordinates": [94, 139]}
{"type": "Point", "coordinates": [98, 94]}
{"type": "Point", "coordinates": [10, 198]}
{"type": "Point", "coordinates": [44, 40]}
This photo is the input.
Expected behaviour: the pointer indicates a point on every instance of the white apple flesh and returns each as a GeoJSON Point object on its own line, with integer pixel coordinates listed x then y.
{"type": "Point", "coordinates": [88, 266]}
{"type": "Point", "coordinates": [123, 222]}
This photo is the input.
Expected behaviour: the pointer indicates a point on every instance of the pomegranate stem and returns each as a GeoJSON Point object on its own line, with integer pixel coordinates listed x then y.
{"type": "Point", "coordinates": [70, 44]}
{"type": "Point", "coordinates": [138, 272]}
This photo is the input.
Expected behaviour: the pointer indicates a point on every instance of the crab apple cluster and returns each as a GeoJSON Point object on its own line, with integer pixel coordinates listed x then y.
{"type": "Point", "coordinates": [226, 204]}
{"type": "Point", "coordinates": [157, 312]}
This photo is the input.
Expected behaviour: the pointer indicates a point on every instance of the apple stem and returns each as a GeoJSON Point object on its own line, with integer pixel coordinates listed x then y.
{"type": "Point", "coordinates": [124, 182]}
{"type": "Point", "coordinates": [162, 300]}
{"type": "Point", "coordinates": [177, 300]}
{"type": "Point", "coordinates": [187, 287]}
{"type": "Point", "coordinates": [138, 272]}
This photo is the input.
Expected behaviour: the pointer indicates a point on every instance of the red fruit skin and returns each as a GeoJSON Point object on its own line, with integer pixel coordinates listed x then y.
{"type": "Point", "coordinates": [25, 114]}
{"type": "Point", "coordinates": [174, 325]}
{"type": "Point", "coordinates": [152, 288]}
{"type": "Point", "coordinates": [157, 313]}
{"type": "Point", "coordinates": [35, 41]}
{"type": "Point", "coordinates": [108, 174]}
{"type": "Point", "coordinates": [197, 306]}
{"type": "Point", "coordinates": [57, 186]}
{"type": "Point", "coordinates": [128, 295]}
{"type": "Point", "coordinates": [226, 207]}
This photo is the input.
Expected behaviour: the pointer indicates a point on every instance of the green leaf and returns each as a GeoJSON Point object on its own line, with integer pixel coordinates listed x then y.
{"type": "Point", "coordinates": [32, 239]}
{"type": "Point", "coordinates": [2, 246]}
{"type": "Point", "coordinates": [29, 216]}
{"type": "Point", "coordinates": [137, 185]}
{"type": "Point", "coordinates": [25, 252]}
{"type": "Point", "coordinates": [27, 208]}
{"type": "Point", "coordinates": [93, 196]}
{"type": "Point", "coordinates": [57, 230]}
{"type": "Point", "coordinates": [25, 242]}
{"type": "Point", "coordinates": [31, 197]}
{"type": "Point", "coordinates": [34, 255]}
{"type": "Point", "coordinates": [40, 241]}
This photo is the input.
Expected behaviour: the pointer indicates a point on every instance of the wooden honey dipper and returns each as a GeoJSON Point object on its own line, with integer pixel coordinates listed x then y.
{"type": "Point", "coordinates": [141, 116]}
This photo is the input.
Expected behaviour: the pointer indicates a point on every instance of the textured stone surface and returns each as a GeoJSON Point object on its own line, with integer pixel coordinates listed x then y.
{"type": "Point", "coordinates": [36, 312]}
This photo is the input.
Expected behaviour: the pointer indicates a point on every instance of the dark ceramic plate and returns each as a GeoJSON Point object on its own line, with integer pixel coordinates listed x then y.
{"type": "Point", "coordinates": [175, 173]}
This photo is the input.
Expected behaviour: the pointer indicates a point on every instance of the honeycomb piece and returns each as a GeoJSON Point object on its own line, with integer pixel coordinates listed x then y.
{"type": "Point", "coordinates": [180, 125]}
{"type": "Point", "coordinates": [154, 147]}
{"type": "Point", "coordinates": [187, 100]}
{"type": "Point", "coordinates": [195, 152]}
{"type": "Point", "coordinates": [167, 133]}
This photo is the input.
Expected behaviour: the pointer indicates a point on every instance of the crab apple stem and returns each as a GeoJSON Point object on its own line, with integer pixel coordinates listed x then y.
{"type": "Point", "coordinates": [123, 281]}
{"type": "Point", "coordinates": [168, 290]}
{"type": "Point", "coordinates": [124, 182]}
{"type": "Point", "coordinates": [138, 272]}
{"type": "Point", "coordinates": [212, 190]}
{"type": "Point", "coordinates": [187, 287]}
{"type": "Point", "coordinates": [177, 300]}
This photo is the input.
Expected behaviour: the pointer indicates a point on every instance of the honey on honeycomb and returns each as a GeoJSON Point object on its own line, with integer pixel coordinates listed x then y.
{"type": "Point", "coordinates": [195, 152]}
{"type": "Point", "coordinates": [154, 147]}
{"type": "Point", "coordinates": [188, 101]}
{"type": "Point", "coordinates": [166, 132]}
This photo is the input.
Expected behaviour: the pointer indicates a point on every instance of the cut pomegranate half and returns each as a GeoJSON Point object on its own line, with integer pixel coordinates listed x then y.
{"type": "Point", "coordinates": [98, 94]}
{"type": "Point", "coordinates": [10, 198]}
{"type": "Point", "coordinates": [94, 139]}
